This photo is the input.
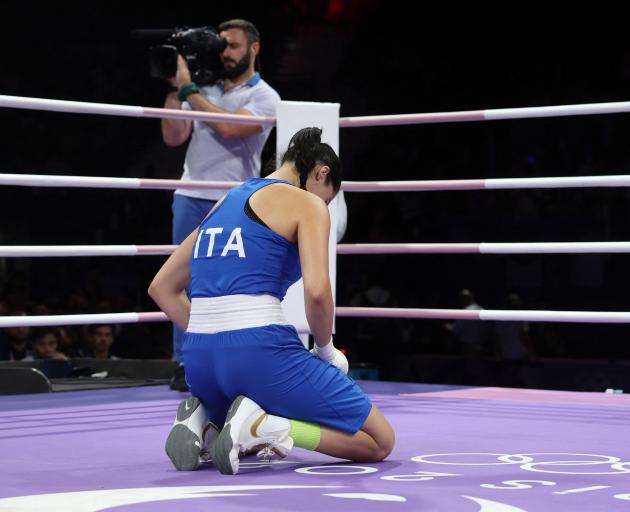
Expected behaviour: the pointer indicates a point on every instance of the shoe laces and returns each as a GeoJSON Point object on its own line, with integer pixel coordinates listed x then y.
{"type": "Point", "coordinates": [266, 453]}
{"type": "Point", "coordinates": [266, 445]}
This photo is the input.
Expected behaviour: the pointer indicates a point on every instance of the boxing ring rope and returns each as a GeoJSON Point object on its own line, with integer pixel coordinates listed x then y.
{"type": "Point", "coordinates": [46, 180]}
{"type": "Point", "coordinates": [81, 107]}
{"type": "Point", "coordinates": [53, 251]}
{"type": "Point", "coordinates": [487, 248]}
{"type": "Point", "coordinates": [498, 315]}
{"type": "Point", "coordinates": [601, 317]}
{"type": "Point", "coordinates": [97, 318]}
{"type": "Point", "coordinates": [390, 186]}
{"type": "Point", "coordinates": [486, 115]}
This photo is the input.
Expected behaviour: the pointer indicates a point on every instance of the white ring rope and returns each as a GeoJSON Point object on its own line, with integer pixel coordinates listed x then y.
{"type": "Point", "coordinates": [444, 117]}
{"type": "Point", "coordinates": [101, 318]}
{"type": "Point", "coordinates": [487, 115]}
{"type": "Point", "coordinates": [487, 248]}
{"type": "Point", "coordinates": [45, 180]}
{"type": "Point", "coordinates": [51, 251]}
{"type": "Point", "coordinates": [600, 317]}
{"type": "Point", "coordinates": [81, 107]}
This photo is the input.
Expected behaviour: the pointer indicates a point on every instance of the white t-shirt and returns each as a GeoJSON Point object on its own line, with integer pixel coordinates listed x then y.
{"type": "Point", "coordinates": [210, 157]}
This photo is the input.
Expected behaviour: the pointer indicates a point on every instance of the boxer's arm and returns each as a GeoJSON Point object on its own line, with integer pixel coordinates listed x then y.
{"type": "Point", "coordinates": [313, 236]}
{"type": "Point", "coordinates": [168, 288]}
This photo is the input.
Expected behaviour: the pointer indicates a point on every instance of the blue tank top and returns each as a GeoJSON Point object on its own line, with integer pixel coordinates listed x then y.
{"type": "Point", "coordinates": [234, 254]}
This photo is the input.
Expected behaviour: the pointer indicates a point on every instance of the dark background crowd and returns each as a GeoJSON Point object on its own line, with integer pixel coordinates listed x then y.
{"type": "Point", "coordinates": [372, 57]}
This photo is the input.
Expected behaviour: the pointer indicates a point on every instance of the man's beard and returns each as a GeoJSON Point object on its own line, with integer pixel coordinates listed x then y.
{"type": "Point", "coordinates": [238, 69]}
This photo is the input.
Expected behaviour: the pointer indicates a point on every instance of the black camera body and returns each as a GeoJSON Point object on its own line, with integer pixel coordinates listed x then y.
{"type": "Point", "coordinates": [201, 47]}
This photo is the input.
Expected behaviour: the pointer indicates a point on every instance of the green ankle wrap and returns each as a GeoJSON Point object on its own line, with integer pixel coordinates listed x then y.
{"type": "Point", "coordinates": [305, 434]}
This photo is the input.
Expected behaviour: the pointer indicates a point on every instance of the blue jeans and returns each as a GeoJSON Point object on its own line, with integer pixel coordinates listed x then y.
{"type": "Point", "coordinates": [188, 212]}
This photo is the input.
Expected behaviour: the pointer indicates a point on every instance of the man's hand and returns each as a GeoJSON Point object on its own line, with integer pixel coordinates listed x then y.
{"type": "Point", "coordinates": [182, 75]}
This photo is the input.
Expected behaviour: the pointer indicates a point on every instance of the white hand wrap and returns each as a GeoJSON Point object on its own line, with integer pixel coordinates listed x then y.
{"type": "Point", "coordinates": [331, 355]}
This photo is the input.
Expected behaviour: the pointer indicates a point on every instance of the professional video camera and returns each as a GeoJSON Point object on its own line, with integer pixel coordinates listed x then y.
{"type": "Point", "coordinates": [201, 47]}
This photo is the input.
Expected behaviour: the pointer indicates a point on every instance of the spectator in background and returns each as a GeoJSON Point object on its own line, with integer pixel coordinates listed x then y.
{"type": "Point", "coordinates": [46, 344]}
{"type": "Point", "coordinates": [4, 310]}
{"type": "Point", "coordinates": [471, 335]}
{"type": "Point", "coordinates": [17, 343]}
{"type": "Point", "coordinates": [513, 343]}
{"type": "Point", "coordinates": [66, 338]}
{"type": "Point", "coordinates": [512, 337]}
{"type": "Point", "coordinates": [100, 340]}
{"type": "Point", "coordinates": [373, 332]}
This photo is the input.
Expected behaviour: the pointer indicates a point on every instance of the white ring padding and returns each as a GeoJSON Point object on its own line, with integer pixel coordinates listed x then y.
{"type": "Point", "coordinates": [44, 180]}
{"type": "Point", "coordinates": [596, 317]}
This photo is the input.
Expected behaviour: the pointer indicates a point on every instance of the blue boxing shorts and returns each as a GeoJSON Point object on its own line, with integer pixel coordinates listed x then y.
{"type": "Point", "coordinates": [271, 366]}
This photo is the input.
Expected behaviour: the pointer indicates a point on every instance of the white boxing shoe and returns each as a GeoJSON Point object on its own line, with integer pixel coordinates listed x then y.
{"type": "Point", "coordinates": [246, 429]}
{"type": "Point", "coordinates": [191, 436]}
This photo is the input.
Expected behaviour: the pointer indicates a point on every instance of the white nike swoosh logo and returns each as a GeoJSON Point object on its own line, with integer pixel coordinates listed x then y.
{"type": "Point", "coordinates": [186, 406]}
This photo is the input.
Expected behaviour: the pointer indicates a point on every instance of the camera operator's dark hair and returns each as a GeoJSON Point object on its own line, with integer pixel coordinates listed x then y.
{"type": "Point", "coordinates": [251, 32]}
{"type": "Point", "coordinates": [306, 150]}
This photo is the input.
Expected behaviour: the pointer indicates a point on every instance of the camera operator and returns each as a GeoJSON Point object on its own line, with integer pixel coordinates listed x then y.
{"type": "Point", "coordinates": [218, 151]}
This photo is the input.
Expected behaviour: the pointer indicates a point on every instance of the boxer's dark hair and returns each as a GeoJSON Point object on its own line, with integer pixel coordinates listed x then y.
{"type": "Point", "coordinates": [306, 150]}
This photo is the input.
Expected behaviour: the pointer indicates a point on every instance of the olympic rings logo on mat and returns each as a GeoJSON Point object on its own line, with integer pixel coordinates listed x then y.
{"type": "Point", "coordinates": [541, 462]}
{"type": "Point", "coordinates": [557, 463]}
